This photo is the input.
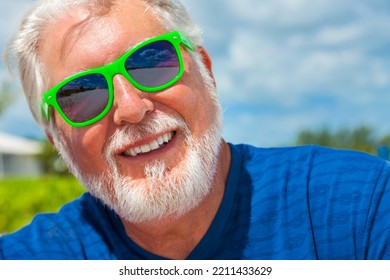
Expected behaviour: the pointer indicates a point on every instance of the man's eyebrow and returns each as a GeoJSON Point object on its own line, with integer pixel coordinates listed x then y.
{"type": "Point", "coordinates": [135, 45]}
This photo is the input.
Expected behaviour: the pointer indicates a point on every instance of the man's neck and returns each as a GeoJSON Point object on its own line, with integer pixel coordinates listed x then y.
{"type": "Point", "coordinates": [175, 238]}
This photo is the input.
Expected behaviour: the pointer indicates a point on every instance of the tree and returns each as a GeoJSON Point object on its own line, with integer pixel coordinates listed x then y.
{"type": "Point", "coordinates": [362, 138]}
{"type": "Point", "coordinates": [52, 163]}
{"type": "Point", "coordinates": [7, 96]}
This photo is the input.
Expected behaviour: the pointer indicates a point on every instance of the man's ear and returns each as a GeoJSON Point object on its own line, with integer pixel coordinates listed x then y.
{"type": "Point", "coordinates": [206, 60]}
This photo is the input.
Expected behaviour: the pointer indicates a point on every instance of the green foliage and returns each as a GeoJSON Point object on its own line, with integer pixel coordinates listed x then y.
{"type": "Point", "coordinates": [22, 199]}
{"type": "Point", "coordinates": [51, 161]}
{"type": "Point", "coordinates": [7, 96]}
{"type": "Point", "coordinates": [362, 138]}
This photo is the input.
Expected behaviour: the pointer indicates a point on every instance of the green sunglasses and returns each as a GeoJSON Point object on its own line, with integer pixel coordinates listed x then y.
{"type": "Point", "coordinates": [86, 97]}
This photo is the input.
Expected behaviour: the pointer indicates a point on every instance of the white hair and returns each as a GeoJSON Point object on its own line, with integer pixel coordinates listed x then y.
{"type": "Point", "coordinates": [25, 45]}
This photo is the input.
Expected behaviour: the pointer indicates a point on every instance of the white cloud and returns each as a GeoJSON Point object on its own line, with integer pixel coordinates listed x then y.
{"type": "Point", "coordinates": [288, 13]}
{"type": "Point", "coordinates": [338, 35]}
{"type": "Point", "coordinates": [286, 52]}
{"type": "Point", "coordinates": [10, 14]}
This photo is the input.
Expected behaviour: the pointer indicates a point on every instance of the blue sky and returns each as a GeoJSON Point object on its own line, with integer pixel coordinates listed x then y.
{"type": "Point", "coordinates": [281, 65]}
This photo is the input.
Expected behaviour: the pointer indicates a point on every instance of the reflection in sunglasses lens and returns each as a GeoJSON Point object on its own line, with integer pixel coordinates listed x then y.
{"type": "Point", "coordinates": [153, 65]}
{"type": "Point", "coordinates": [83, 98]}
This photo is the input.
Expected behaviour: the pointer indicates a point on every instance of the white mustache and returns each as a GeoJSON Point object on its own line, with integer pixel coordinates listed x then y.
{"type": "Point", "coordinates": [152, 125]}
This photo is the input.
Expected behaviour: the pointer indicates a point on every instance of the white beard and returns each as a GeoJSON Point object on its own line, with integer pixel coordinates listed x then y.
{"type": "Point", "coordinates": [164, 191]}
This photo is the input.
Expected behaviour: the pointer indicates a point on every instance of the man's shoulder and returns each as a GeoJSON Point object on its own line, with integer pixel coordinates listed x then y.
{"type": "Point", "coordinates": [303, 153]}
{"type": "Point", "coordinates": [295, 193]}
{"type": "Point", "coordinates": [303, 162]}
{"type": "Point", "coordinates": [74, 212]}
{"type": "Point", "coordinates": [53, 235]}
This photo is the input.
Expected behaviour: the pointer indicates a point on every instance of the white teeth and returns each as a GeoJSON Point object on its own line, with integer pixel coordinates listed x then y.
{"type": "Point", "coordinates": [145, 148]}
{"type": "Point", "coordinates": [160, 141]}
{"type": "Point", "coordinates": [154, 145]}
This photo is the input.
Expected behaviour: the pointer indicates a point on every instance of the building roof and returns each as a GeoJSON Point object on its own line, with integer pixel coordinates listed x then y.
{"type": "Point", "coordinates": [16, 145]}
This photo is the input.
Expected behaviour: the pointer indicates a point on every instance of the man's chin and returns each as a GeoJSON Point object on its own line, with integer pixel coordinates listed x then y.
{"type": "Point", "coordinates": [161, 193]}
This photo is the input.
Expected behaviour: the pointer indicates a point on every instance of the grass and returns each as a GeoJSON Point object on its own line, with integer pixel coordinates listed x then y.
{"type": "Point", "coordinates": [22, 198]}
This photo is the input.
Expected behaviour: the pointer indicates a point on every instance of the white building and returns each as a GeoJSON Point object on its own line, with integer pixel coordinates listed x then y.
{"type": "Point", "coordinates": [18, 156]}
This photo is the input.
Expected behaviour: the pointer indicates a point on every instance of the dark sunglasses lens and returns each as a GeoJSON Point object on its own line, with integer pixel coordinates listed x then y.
{"type": "Point", "coordinates": [84, 98]}
{"type": "Point", "coordinates": [153, 65]}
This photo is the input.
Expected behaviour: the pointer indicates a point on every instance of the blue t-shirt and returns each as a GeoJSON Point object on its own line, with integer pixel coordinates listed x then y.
{"type": "Point", "coordinates": [280, 203]}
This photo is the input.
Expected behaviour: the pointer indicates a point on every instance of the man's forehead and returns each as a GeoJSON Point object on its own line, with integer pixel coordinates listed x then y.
{"type": "Point", "coordinates": [87, 32]}
{"type": "Point", "coordinates": [84, 36]}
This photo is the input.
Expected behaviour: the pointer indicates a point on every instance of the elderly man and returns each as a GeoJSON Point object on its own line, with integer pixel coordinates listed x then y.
{"type": "Point", "coordinates": [125, 92]}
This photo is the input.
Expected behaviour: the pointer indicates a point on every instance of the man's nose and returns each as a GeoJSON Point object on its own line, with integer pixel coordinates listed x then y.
{"type": "Point", "coordinates": [130, 104]}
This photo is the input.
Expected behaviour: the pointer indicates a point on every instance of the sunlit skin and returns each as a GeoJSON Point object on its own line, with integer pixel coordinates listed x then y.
{"type": "Point", "coordinates": [99, 42]}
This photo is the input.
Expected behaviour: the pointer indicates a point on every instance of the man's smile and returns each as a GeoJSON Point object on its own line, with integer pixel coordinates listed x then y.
{"type": "Point", "coordinates": [156, 144]}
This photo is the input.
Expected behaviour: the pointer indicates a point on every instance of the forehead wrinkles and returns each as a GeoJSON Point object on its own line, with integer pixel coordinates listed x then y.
{"type": "Point", "coordinates": [93, 18]}
{"type": "Point", "coordinates": [72, 35]}
{"type": "Point", "coordinates": [89, 15]}
{"type": "Point", "coordinates": [86, 28]}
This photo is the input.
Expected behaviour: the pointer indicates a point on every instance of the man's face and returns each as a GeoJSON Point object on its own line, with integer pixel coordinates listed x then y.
{"type": "Point", "coordinates": [137, 119]}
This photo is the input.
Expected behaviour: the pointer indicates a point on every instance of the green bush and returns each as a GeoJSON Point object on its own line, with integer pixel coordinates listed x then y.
{"type": "Point", "coordinates": [21, 199]}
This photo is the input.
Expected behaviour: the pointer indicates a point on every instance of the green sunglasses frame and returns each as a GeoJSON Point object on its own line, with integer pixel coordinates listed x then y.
{"type": "Point", "coordinates": [112, 69]}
